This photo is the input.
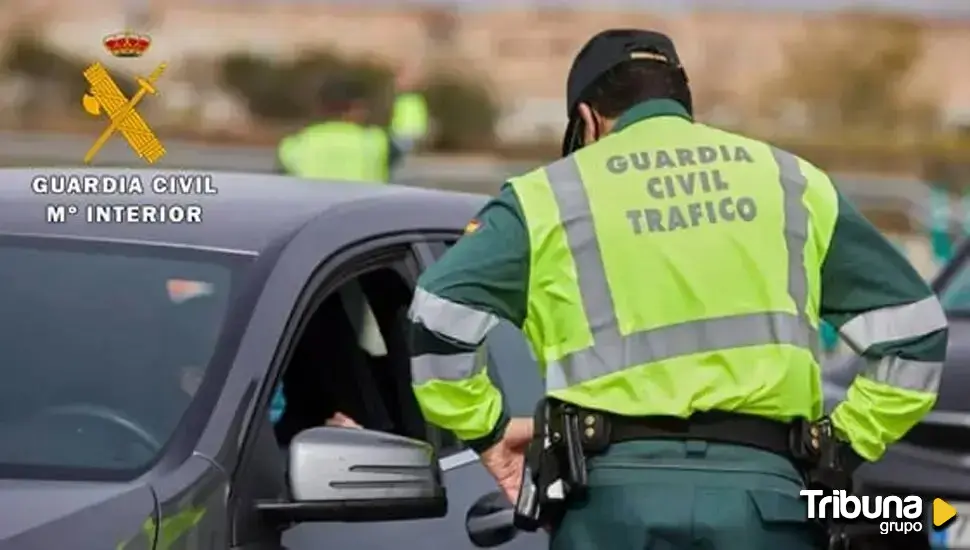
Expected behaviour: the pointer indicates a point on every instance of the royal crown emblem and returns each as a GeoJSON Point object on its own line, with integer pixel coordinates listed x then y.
{"type": "Point", "coordinates": [127, 44]}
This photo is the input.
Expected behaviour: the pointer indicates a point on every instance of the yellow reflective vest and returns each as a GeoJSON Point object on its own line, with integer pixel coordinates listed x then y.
{"type": "Point", "coordinates": [337, 151]}
{"type": "Point", "coordinates": [675, 268]}
{"type": "Point", "coordinates": [410, 116]}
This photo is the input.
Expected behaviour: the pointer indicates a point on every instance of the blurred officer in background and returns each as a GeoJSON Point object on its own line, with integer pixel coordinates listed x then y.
{"type": "Point", "coordinates": [670, 278]}
{"type": "Point", "coordinates": [409, 116]}
{"type": "Point", "coordinates": [342, 145]}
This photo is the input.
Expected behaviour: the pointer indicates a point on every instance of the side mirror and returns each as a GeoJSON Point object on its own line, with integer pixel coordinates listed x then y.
{"type": "Point", "coordinates": [489, 521]}
{"type": "Point", "coordinates": [346, 474]}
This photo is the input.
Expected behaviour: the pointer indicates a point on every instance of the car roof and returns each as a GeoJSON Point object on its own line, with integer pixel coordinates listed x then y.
{"type": "Point", "coordinates": [247, 212]}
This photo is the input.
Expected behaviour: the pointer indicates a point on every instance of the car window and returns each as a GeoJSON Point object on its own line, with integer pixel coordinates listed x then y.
{"type": "Point", "coordinates": [352, 358]}
{"type": "Point", "coordinates": [102, 351]}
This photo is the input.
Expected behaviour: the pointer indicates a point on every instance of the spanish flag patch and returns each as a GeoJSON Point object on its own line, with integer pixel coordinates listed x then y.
{"type": "Point", "coordinates": [472, 226]}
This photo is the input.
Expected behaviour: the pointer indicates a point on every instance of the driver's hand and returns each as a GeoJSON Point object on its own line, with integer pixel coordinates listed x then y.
{"type": "Point", "coordinates": [341, 420]}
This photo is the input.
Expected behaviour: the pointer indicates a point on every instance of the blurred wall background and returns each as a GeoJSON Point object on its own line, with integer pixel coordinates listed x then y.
{"type": "Point", "coordinates": [769, 70]}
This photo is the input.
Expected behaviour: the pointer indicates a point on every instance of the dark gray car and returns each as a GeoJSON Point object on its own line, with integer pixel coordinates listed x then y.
{"type": "Point", "coordinates": [140, 358]}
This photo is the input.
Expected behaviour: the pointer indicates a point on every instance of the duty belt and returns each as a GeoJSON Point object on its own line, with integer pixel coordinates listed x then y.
{"type": "Point", "coordinates": [810, 446]}
{"type": "Point", "coordinates": [565, 435]}
{"type": "Point", "coordinates": [602, 429]}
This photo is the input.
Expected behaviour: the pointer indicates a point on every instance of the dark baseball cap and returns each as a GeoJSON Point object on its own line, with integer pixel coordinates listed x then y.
{"type": "Point", "coordinates": [603, 52]}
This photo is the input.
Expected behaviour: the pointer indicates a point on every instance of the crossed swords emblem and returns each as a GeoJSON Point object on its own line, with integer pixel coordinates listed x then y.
{"type": "Point", "coordinates": [106, 97]}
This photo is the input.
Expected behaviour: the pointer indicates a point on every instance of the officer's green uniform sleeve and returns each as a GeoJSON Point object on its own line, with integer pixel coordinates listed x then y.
{"type": "Point", "coordinates": [481, 280]}
{"type": "Point", "coordinates": [885, 312]}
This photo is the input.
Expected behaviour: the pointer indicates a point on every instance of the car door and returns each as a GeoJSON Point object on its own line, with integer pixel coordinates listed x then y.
{"type": "Point", "coordinates": [259, 474]}
{"type": "Point", "coordinates": [465, 478]}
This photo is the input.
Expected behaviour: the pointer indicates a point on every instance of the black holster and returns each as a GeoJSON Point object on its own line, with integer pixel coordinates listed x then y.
{"type": "Point", "coordinates": [555, 471]}
{"type": "Point", "coordinates": [826, 464]}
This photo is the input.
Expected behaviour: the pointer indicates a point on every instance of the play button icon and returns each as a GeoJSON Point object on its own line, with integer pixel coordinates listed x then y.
{"type": "Point", "coordinates": [943, 512]}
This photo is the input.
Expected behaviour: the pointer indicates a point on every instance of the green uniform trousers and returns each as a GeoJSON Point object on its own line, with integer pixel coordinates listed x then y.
{"type": "Point", "coordinates": [689, 495]}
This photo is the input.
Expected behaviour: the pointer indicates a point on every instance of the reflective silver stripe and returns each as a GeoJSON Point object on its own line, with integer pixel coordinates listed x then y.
{"type": "Point", "coordinates": [460, 366]}
{"type": "Point", "coordinates": [455, 321]}
{"type": "Point", "coordinates": [904, 373]}
{"type": "Point", "coordinates": [611, 350]}
{"type": "Point", "coordinates": [611, 353]}
{"type": "Point", "coordinates": [793, 184]}
{"type": "Point", "coordinates": [890, 324]}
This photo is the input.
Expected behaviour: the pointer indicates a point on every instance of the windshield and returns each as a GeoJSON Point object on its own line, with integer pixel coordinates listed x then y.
{"type": "Point", "coordinates": [103, 348]}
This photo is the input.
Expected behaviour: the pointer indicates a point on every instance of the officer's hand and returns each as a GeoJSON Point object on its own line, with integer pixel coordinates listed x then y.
{"type": "Point", "coordinates": [519, 432]}
{"type": "Point", "coordinates": [506, 459]}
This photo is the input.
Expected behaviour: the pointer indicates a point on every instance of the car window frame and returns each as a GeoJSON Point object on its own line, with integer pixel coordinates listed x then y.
{"type": "Point", "coordinates": [260, 465]}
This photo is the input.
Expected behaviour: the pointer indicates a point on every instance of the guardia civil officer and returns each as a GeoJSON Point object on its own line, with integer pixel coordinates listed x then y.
{"type": "Point", "coordinates": [670, 278]}
{"type": "Point", "coordinates": [341, 145]}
